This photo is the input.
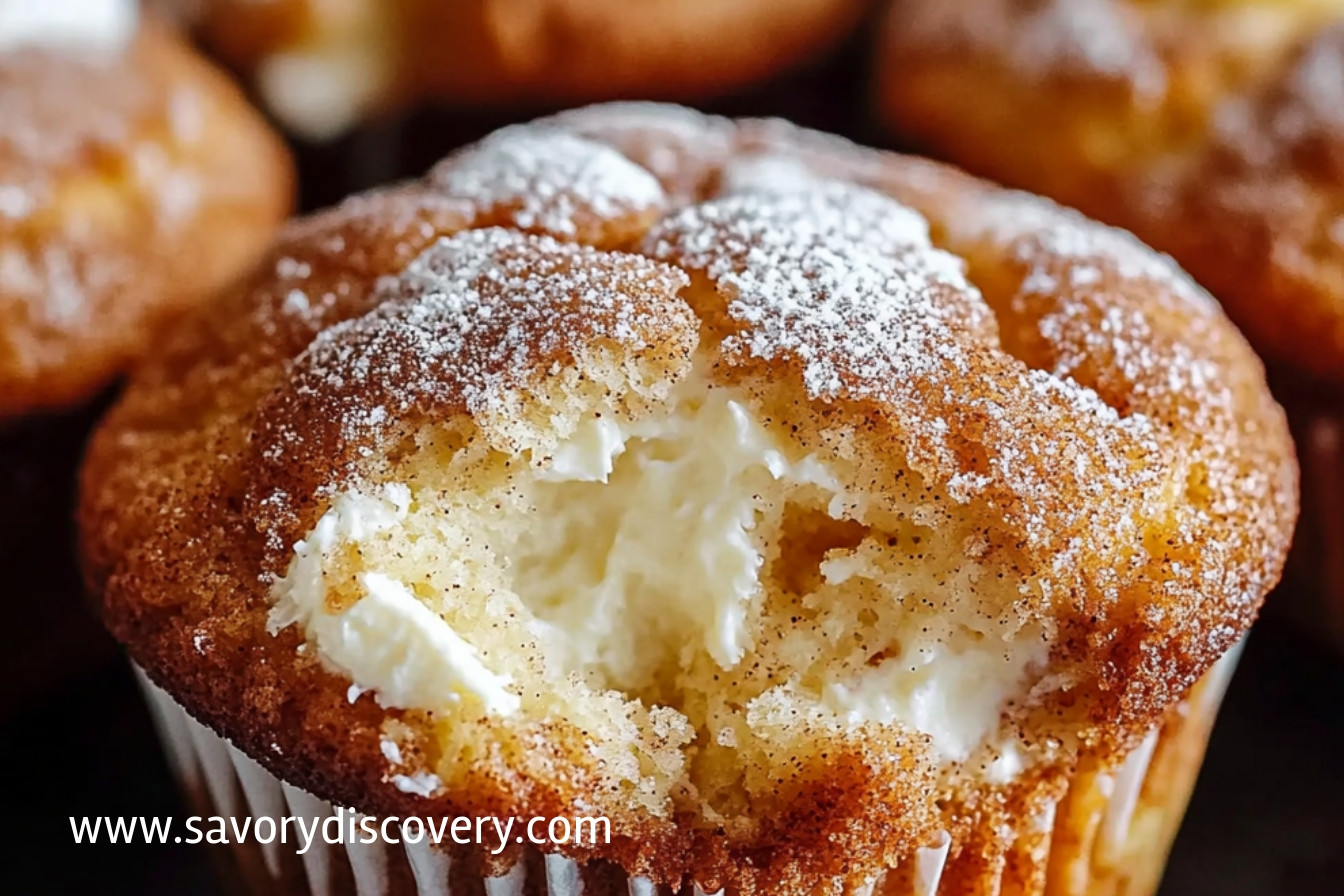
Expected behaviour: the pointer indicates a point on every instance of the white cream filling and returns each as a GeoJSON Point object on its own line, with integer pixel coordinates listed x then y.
{"type": "Point", "coordinates": [643, 533]}
{"type": "Point", "coordinates": [952, 680]}
{"type": "Point", "coordinates": [103, 25]}
{"type": "Point", "coordinates": [589, 455]}
{"type": "Point", "coordinates": [955, 697]}
{"type": "Point", "coordinates": [387, 641]}
{"type": "Point", "coordinates": [672, 530]}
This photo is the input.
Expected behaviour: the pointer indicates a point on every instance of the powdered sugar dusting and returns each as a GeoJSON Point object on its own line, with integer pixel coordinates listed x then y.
{"type": "Point", "coordinates": [846, 283]}
{"type": "Point", "coordinates": [105, 174]}
{"type": "Point", "coordinates": [1042, 234]}
{"type": "Point", "coordinates": [840, 281]}
{"type": "Point", "coordinates": [55, 107]}
{"type": "Point", "coordinates": [548, 179]}
{"type": "Point", "coordinates": [472, 317]}
{"type": "Point", "coordinates": [840, 277]}
{"type": "Point", "coordinates": [768, 173]}
{"type": "Point", "coordinates": [671, 124]}
{"type": "Point", "coordinates": [1215, 130]}
{"type": "Point", "coordinates": [1086, 272]}
{"type": "Point", "coordinates": [678, 145]}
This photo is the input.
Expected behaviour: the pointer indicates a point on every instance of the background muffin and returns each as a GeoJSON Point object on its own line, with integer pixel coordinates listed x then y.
{"type": "Point", "coordinates": [323, 67]}
{"type": "Point", "coordinates": [819, 516]}
{"type": "Point", "coordinates": [1212, 130]}
{"type": "Point", "coordinates": [374, 92]}
{"type": "Point", "coordinates": [134, 182]}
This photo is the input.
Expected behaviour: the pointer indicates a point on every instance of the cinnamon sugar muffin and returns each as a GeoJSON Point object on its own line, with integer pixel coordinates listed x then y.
{"type": "Point", "coordinates": [828, 520]}
{"type": "Point", "coordinates": [324, 67]}
{"type": "Point", "coordinates": [134, 182]}
{"type": "Point", "coordinates": [1213, 130]}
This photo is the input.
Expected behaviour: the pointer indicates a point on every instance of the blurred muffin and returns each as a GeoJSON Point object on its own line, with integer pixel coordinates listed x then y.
{"type": "Point", "coordinates": [828, 520]}
{"type": "Point", "coordinates": [323, 67]}
{"type": "Point", "coordinates": [134, 182]}
{"type": "Point", "coordinates": [1213, 130]}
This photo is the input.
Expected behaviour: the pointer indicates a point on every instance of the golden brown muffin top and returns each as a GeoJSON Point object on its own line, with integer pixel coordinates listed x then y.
{"type": "Point", "coordinates": [1213, 130]}
{"type": "Point", "coordinates": [1032, 428]}
{"type": "Point", "coordinates": [133, 181]}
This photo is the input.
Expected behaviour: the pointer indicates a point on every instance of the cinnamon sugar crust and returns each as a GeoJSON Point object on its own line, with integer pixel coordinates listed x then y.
{"type": "Point", "coordinates": [968, 429]}
{"type": "Point", "coordinates": [133, 183]}
{"type": "Point", "coordinates": [1212, 130]}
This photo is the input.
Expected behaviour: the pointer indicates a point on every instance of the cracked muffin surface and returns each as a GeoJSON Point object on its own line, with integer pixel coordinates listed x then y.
{"type": "Point", "coordinates": [791, 504]}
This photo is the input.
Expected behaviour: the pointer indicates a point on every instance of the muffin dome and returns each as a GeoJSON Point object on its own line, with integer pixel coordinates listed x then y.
{"type": "Point", "coordinates": [1213, 130]}
{"type": "Point", "coordinates": [134, 180]}
{"type": "Point", "coordinates": [785, 502]}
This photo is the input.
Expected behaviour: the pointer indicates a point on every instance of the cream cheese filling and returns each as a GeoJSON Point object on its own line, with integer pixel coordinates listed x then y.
{"type": "Point", "coordinates": [388, 641]}
{"type": "Point", "coordinates": [674, 526]}
{"type": "Point", "coordinates": [632, 549]}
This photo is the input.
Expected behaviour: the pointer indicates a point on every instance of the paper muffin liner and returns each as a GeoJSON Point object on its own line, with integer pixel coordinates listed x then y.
{"type": "Point", "coordinates": [1107, 836]}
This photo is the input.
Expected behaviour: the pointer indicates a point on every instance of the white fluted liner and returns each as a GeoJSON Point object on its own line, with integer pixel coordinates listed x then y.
{"type": "Point", "coordinates": [1124, 797]}
{"type": "Point", "coordinates": [170, 723]}
{"type": "Point", "coordinates": [641, 886]}
{"type": "Point", "coordinates": [929, 862]}
{"type": "Point", "coordinates": [430, 868]}
{"type": "Point", "coordinates": [1127, 783]}
{"type": "Point", "coordinates": [1220, 676]}
{"type": "Point", "coordinates": [237, 786]}
{"type": "Point", "coordinates": [368, 864]}
{"type": "Point", "coordinates": [216, 766]}
{"type": "Point", "coordinates": [206, 764]}
{"type": "Point", "coordinates": [316, 861]}
{"type": "Point", "coordinates": [562, 877]}
{"type": "Point", "coordinates": [506, 885]}
{"type": "Point", "coordinates": [263, 797]}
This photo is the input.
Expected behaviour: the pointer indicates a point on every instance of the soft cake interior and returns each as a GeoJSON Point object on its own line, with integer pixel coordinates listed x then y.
{"type": "Point", "coordinates": [712, 583]}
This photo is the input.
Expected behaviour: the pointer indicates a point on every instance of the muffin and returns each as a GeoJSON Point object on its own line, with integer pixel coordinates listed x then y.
{"type": "Point", "coordinates": [1212, 130]}
{"type": "Point", "coordinates": [134, 182]}
{"type": "Point", "coordinates": [826, 520]}
{"type": "Point", "coordinates": [373, 92]}
{"type": "Point", "coordinates": [322, 67]}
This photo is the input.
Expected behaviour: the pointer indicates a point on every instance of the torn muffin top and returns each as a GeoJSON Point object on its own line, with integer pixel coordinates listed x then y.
{"type": "Point", "coordinates": [773, 497]}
